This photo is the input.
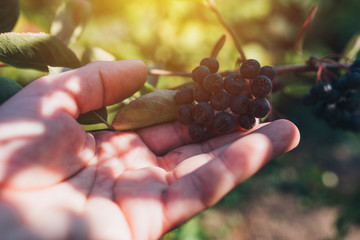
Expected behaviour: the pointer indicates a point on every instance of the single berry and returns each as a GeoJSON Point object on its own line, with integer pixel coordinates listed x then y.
{"type": "Point", "coordinates": [184, 114]}
{"type": "Point", "coordinates": [239, 104]}
{"type": "Point", "coordinates": [261, 86]}
{"type": "Point", "coordinates": [220, 101]}
{"type": "Point", "coordinates": [234, 84]}
{"type": "Point", "coordinates": [202, 113]}
{"type": "Point", "coordinates": [259, 107]}
{"type": "Point", "coordinates": [201, 95]}
{"type": "Point", "coordinates": [184, 95]}
{"type": "Point", "coordinates": [211, 63]}
{"type": "Point", "coordinates": [213, 83]}
{"type": "Point", "coordinates": [246, 121]}
{"type": "Point", "coordinates": [198, 132]}
{"type": "Point", "coordinates": [321, 90]}
{"type": "Point", "coordinates": [223, 122]}
{"type": "Point", "coordinates": [268, 71]}
{"type": "Point", "coordinates": [199, 73]}
{"type": "Point", "coordinates": [250, 69]}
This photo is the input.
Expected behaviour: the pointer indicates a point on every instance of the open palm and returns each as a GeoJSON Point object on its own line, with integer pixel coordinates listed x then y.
{"type": "Point", "coordinates": [59, 182]}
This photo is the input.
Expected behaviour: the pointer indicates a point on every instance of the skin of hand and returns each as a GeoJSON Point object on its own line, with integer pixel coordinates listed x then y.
{"type": "Point", "coordinates": [58, 181]}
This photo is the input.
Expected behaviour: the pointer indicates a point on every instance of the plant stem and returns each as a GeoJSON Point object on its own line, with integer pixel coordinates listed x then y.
{"type": "Point", "coordinates": [103, 120]}
{"type": "Point", "coordinates": [213, 7]}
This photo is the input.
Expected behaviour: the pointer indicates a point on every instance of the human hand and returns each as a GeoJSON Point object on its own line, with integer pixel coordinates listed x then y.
{"type": "Point", "coordinates": [59, 182]}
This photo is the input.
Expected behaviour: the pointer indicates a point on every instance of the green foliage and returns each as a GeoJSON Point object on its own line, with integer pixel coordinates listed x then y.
{"type": "Point", "coordinates": [35, 50]}
{"type": "Point", "coordinates": [150, 109]}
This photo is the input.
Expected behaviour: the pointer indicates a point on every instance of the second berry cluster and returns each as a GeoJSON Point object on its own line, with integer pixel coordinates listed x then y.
{"type": "Point", "coordinates": [218, 102]}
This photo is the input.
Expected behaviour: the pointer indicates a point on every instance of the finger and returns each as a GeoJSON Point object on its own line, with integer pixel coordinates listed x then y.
{"type": "Point", "coordinates": [166, 137]}
{"type": "Point", "coordinates": [88, 88]}
{"type": "Point", "coordinates": [279, 133]}
{"type": "Point", "coordinates": [208, 148]}
{"type": "Point", "coordinates": [199, 188]}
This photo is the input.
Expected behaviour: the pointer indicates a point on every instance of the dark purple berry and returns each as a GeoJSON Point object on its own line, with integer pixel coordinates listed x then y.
{"type": "Point", "coordinates": [220, 101]}
{"type": "Point", "coordinates": [268, 71]}
{"type": "Point", "coordinates": [211, 63]}
{"type": "Point", "coordinates": [223, 122]}
{"type": "Point", "coordinates": [259, 107]}
{"type": "Point", "coordinates": [185, 114]}
{"type": "Point", "coordinates": [246, 121]}
{"type": "Point", "coordinates": [321, 90]}
{"type": "Point", "coordinates": [250, 69]}
{"type": "Point", "coordinates": [213, 83]}
{"type": "Point", "coordinates": [201, 95]}
{"type": "Point", "coordinates": [184, 95]}
{"type": "Point", "coordinates": [198, 132]}
{"type": "Point", "coordinates": [239, 104]}
{"type": "Point", "coordinates": [199, 73]}
{"type": "Point", "coordinates": [261, 86]}
{"type": "Point", "coordinates": [203, 113]}
{"type": "Point", "coordinates": [234, 84]}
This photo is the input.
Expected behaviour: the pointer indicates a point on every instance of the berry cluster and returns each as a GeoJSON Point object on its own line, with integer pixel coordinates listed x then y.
{"type": "Point", "coordinates": [337, 102]}
{"type": "Point", "coordinates": [218, 102]}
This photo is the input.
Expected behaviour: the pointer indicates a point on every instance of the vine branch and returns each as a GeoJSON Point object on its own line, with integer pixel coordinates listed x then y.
{"type": "Point", "coordinates": [213, 7]}
{"type": "Point", "coordinates": [282, 69]}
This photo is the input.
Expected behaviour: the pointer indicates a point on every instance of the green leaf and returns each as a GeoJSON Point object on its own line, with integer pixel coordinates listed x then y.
{"type": "Point", "coordinates": [70, 19]}
{"type": "Point", "coordinates": [35, 50]}
{"type": "Point", "coordinates": [8, 88]}
{"type": "Point", "coordinates": [353, 47]}
{"type": "Point", "coordinates": [150, 109]}
{"type": "Point", "coordinates": [93, 117]}
{"type": "Point", "coordinates": [9, 14]}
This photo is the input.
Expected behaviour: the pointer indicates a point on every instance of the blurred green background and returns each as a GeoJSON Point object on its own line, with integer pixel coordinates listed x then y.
{"type": "Point", "coordinates": [312, 192]}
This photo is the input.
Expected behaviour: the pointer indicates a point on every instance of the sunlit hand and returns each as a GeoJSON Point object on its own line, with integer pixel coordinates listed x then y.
{"type": "Point", "coordinates": [59, 182]}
